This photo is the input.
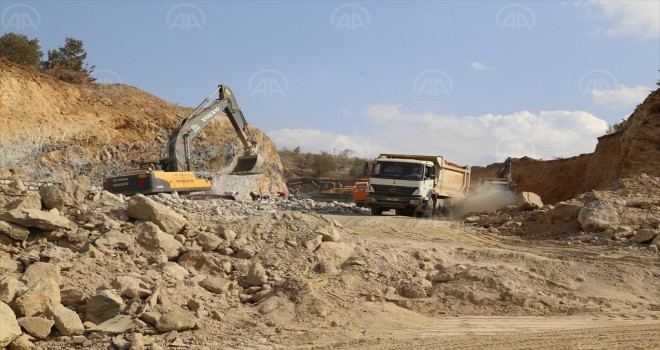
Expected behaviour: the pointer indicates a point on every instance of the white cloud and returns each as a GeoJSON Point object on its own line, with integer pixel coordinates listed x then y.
{"type": "Point", "coordinates": [476, 65]}
{"type": "Point", "coordinates": [469, 140]}
{"type": "Point", "coordinates": [639, 18]}
{"type": "Point", "coordinates": [621, 97]}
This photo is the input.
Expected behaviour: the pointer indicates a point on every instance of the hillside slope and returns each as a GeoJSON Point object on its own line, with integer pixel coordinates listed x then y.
{"type": "Point", "coordinates": [52, 130]}
{"type": "Point", "coordinates": [633, 150]}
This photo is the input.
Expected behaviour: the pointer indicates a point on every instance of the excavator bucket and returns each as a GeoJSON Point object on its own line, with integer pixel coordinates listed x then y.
{"type": "Point", "coordinates": [248, 165]}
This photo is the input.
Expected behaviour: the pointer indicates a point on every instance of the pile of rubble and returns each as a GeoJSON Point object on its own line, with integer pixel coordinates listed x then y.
{"type": "Point", "coordinates": [82, 267]}
{"type": "Point", "coordinates": [625, 213]}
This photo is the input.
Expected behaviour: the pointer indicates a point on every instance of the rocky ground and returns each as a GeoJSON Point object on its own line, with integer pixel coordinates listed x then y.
{"type": "Point", "coordinates": [83, 268]}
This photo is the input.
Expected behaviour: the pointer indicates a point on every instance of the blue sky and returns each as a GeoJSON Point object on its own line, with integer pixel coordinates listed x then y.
{"type": "Point", "coordinates": [475, 81]}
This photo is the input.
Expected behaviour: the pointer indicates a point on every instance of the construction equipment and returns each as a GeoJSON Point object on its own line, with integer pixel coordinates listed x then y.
{"type": "Point", "coordinates": [415, 185]}
{"type": "Point", "coordinates": [319, 190]}
{"type": "Point", "coordinates": [174, 173]}
{"type": "Point", "coordinates": [502, 181]}
{"type": "Point", "coordinates": [360, 193]}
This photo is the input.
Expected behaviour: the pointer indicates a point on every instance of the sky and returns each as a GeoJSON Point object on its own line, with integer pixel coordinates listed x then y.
{"type": "Point", "coordinates": [474, 81]}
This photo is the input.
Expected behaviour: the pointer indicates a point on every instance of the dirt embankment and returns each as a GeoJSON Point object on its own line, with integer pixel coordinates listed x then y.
{"type": "Point", "coordinates": [52, 130]}
{"type": "Point", "coordinates": [633, 150]}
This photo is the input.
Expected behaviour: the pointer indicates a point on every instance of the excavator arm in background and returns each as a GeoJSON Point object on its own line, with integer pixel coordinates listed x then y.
{"type": "Point", "coordinates": [178, 145]}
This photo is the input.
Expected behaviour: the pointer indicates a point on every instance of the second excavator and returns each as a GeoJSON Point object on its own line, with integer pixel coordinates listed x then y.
{"type": "Point", "coordinates": [174, 173]}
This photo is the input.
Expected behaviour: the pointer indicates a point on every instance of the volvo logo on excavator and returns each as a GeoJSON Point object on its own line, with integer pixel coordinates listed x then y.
{"type": "Point", "coordinates": [211, 114]}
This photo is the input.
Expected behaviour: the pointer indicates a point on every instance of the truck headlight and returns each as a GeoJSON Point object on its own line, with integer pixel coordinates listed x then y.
{"type": "Point", "coordinates": [414, 201]}
{"type": "Point", "coordinates": [371, 189]}
{"type": "Point", "coordinates": [371, 199]}
{"type": "Point", "coordinates": [416, 193]}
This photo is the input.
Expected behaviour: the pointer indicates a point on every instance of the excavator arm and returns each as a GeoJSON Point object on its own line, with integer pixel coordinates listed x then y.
{"type": "Point", "coordinates": [178, 145]}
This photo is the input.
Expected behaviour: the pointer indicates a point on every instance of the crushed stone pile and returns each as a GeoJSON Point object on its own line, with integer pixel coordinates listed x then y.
{"type": "Point", "coordinates": [626, 213]}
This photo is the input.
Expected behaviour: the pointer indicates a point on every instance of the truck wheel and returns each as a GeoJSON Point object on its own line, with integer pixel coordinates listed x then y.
{"type": "Point", "coordinates": [376, 211]}
{"type": "Point", "coordinates": [399, 212]}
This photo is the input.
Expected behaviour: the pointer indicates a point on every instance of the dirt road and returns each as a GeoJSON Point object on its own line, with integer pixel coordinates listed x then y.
{"type": "Point", "coordinates": [591, 297]}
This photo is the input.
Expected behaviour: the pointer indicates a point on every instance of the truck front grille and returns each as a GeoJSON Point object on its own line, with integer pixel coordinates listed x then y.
{"type": "Point", "coordinates": [387, 190]}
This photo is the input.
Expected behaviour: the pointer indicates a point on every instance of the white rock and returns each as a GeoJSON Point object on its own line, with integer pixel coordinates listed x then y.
{"type": "Point", "coordinates": [9, 329]}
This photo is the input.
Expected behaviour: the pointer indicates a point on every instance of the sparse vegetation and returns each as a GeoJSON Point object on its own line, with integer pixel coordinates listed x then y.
{"type": "Point", "coordinates": [614, 128]}
{"type": "Point", "coordinates": [68, 63]}
{"type": "Point", "coordinates": [322, 164]}
{"type": "Point", "coordinates": [19, 49]}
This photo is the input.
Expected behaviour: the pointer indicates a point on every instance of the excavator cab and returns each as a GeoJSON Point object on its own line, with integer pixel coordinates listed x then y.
{"type": "Point", "coordinates": [248, 165]}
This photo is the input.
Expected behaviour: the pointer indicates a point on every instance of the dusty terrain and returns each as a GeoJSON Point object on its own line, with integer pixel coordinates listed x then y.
{"type": "Point", "coordinates": [159, 272]}
{"type": "Point", "coordinates": [83, 268]}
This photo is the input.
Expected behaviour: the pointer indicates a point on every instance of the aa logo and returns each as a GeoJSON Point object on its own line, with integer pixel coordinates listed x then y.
{"type": "Point", "coordinates": [185, 17]}
{"type": "Point", "coordinates": [106, 76]}
{"type": "Point", "coordinates": [20, 18]}
{"type": "Point", "coordinates": [433, 82]}
{"type": "Point", "coordinates": [596, 80]}
{"type": "Point", "coordinates": [268, 82]}
{"type": "Point", "coordinates": [350, 17]}
{"type": "Point", "coordinates": [515, 17]}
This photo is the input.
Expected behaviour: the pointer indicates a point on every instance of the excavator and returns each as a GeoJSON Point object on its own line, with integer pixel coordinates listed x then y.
{"type": "Point", "coordinates": [174, 173]}
{"type": "Point", "coordinates": [503, 179]}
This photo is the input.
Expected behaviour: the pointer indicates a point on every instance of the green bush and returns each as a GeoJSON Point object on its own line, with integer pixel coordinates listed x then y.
{"type": "Point", "coordinates": [19, 49]}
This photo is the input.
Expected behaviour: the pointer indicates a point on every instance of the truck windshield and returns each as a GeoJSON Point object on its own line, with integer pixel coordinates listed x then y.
{"type": "Point", "coordinates": [397, 170]}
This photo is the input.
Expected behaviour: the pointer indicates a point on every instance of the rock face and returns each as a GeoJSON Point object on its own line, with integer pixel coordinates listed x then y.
{"type": "Point", "coordinates": [9, 328]}
{"type": "Point", "coordinates": [631, 151]}
{"type": "Point", "coordinates": [145, 209]}
{"type": "Point", "coordinates": [44, 220]}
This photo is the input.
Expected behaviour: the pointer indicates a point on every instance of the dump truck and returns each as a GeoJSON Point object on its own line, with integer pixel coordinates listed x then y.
{"type": "Point", "coordinates": [415, 185]}
{"type": "Point", "coordinates": [175, 173]}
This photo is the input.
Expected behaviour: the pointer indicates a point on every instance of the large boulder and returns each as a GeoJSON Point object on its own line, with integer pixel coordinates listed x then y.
{"type": "Point", "coordinates": [41, 270]}
{"type": "Point", "coordinates": [9, 329]}
{"type": "Point", "coordinates": [38, 298]}
{"type": "Point", "coordinates": [31, 200]}
{"type": "Point", "coordinates": [103, 306]}
{"type": "Point", "coordinates": [145, 209]}
{"type": "Point", "coordinates": [156, 242]}
{"type": "Point", "coordinates": [52, 196]}
{"type": "Point", "coordinates": [529, 201]}
{"type": "Point", "coordinates": [200, 262]}
{"type": "Point", "coordinates": [37, 327]}
{"type": "Point", "coordinates": [256, 275]}
{"type": "Point", "coordinates": [75, 190]}
{"type": "Point", "coordinates": [597, 216]}
{"type": "Point", "coordinates": [66, 320]}
{"type": "Point", "coordinates": [14, 231]}
{"type": "Point", "coordinates": [9, 288]}
{"type": "Point", "coordinates": [44, 220]}
{"type": "Point", "coordinates": [15, 188]}
{"type": "Point", "coordinates": [177, 320]}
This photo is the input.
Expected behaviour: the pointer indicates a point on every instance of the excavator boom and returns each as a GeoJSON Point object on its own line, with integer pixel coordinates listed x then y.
{"type": "Point", "coordinates": [179, 158]}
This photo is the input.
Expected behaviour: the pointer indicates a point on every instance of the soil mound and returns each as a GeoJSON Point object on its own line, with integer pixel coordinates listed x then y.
{"type": "Point", "coordinates": [52, 130]}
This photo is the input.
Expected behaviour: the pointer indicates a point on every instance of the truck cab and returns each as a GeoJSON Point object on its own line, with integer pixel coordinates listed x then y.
{"type": "Point", "coordinates": [360, 193]}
